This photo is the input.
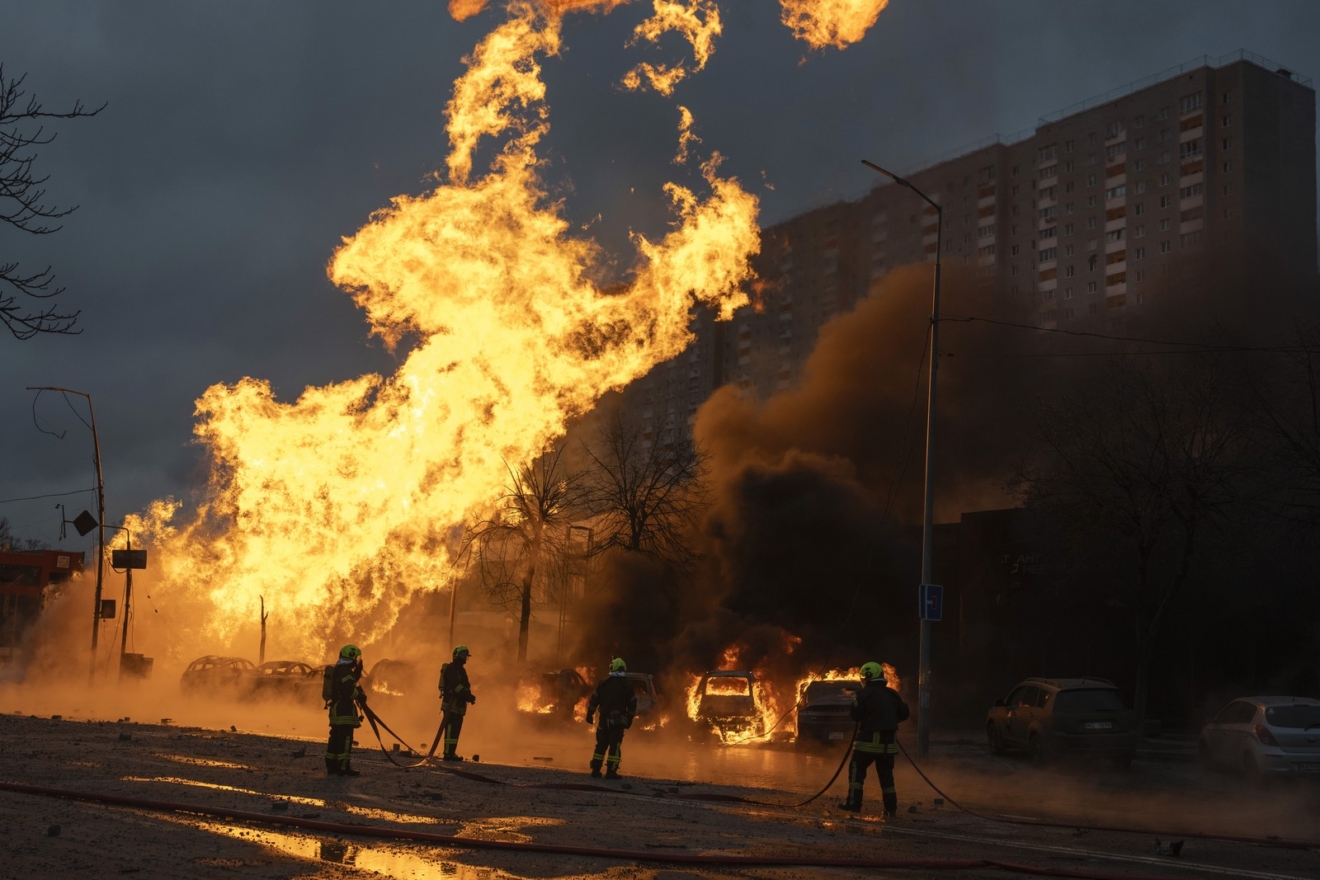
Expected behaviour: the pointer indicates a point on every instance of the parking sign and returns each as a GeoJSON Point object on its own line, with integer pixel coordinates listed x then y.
{"type": "Point", "coordinates": [930, 602]}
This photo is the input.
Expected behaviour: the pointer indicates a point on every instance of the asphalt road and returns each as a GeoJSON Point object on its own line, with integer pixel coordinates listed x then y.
{"type": "Point", "coordinates": [652, 810]}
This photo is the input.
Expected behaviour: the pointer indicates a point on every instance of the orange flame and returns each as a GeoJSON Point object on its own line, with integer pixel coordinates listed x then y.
{"type": "Point", "coordinates": [359, 482]}
{"type": "Point", "coordinates": [835, 23]}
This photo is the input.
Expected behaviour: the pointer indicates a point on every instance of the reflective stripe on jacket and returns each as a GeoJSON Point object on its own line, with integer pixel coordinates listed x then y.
{"type": "Point", "coordinates": [347, 694]}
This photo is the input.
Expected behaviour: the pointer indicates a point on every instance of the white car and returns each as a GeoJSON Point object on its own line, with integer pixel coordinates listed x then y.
{"type": "Point", "coordinates": [1264, 736]}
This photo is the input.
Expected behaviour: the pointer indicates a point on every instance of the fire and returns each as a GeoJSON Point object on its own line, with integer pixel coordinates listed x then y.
{"type": "Point", "coordinates": [529, 700]}
{"type": "Point", "coordinates": [336, 506]}
{"type": "Point", "coordinates": [835, 23]}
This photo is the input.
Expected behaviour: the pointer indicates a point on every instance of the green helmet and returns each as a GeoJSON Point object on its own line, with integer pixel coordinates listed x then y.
{"type": "Point", "coordinates": [461, 650]}
{"type": "Point", "coordinates": [350, 652]}
{"type": "Point", "coordinates": [617, 665]}
{"type": "Point", "coordinates": [872, 671]}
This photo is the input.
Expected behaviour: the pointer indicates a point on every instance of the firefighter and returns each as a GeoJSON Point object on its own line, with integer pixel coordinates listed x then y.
{"type": "Point", "coordinates": [343, 697]}
{"type": "Point", "coordinates": [455, 695]}
{"type": "Point", "coordinates": [617, 703]}
{"type": "Point", "coordinates": [877, 709]}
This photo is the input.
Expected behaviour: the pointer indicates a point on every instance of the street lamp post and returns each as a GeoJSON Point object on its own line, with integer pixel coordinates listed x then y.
{"type": "Point", "coordinates": [100, 509]}
{"type": "Point", "coordinates": [928, 511]}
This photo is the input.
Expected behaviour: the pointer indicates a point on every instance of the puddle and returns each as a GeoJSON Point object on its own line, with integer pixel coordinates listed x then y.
{"type": "Point", "coordinates": [203, 762]}
{"type": "Point", "coordinates": [388, 861]}
{"type": "Point", "coordinates": [354, 809]}
{"type": "Point", "coordinates": [505, 827]}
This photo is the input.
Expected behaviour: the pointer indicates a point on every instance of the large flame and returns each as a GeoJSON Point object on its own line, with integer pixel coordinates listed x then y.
{"type": "Point", "coordinates": [336, 506]}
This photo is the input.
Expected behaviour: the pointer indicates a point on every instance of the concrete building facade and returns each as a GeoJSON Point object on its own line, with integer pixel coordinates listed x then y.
{"type": "Point", "coordinates": [1205, 172]}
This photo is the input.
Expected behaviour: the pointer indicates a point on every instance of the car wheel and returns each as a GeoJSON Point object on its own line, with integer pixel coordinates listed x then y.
{"type": "Point", "coordinates": [996, 741]}
{"type": "Point", "coordinates": [1040, 752]}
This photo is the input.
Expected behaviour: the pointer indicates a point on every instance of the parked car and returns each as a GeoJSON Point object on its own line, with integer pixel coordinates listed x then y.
{"type": "Point", "coordinates": [1264, 736]}
{"type": "Point", "coordinates": [288, 679]}
{"type": "Point", "coordinates": [553, 694]}
{"type": "Point", "coordinates": [823, 715]}
{"type": "Point", "coordinates": [211, 673]}
{"type": "Point", "coordinates": [1050, 717]}
{"type": "Point", "coordinates": [726, 703]}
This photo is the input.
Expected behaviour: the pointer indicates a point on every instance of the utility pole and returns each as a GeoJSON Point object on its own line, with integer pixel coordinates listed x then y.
{"type": "Point", "coordinates": [100, 519]}
{"type": "Point", "coordinates": [928, 507]}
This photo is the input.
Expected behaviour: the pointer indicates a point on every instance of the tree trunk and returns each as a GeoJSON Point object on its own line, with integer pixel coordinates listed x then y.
{"type": "Point", "coordinates": [525, 613]}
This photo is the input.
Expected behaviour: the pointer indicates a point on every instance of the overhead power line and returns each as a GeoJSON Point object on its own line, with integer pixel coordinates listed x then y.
{"type": "Point", "coordinates": [51, 495]}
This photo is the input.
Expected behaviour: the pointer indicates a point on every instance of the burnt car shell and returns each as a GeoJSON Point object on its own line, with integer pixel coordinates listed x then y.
{"type": "Point", "coordinates": [392, 680]}
{"type": "Point", "coordinates": [823, 712]}
{"type": "Point", "coordinates": [213, 672]}
{"type": "Point", "coordinates": [554, 695]}
{"type": "Point", "coordinates": [288, 678]}
{"type": "Point", "coordinates": [644, 687]}
{"type": "Point", "coordinates": [727, 701]}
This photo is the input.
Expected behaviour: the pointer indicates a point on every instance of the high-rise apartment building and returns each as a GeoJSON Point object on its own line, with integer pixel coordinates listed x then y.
{"type": "Point", "coordinates": [1201, 174]}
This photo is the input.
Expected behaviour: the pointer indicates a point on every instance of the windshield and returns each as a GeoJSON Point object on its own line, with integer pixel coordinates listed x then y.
{"type": "Point", "coordinates": [728, 687]}
{"type": "Point", "coordinates": [1092, 700]}
{"type": "Point", "coordinates": [1296, 715]}
{"type": "Point", "coordinates": [829, 692]}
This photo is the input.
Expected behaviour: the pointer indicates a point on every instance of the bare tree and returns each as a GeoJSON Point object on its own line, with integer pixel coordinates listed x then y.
{"type": "Point", "coordinates": [528, 525]}
{"type": "Point", "coordinates": [646, 494]}
{"type": "Point", "coordinates": [1141, 466]}
{"type": "Point", "coordinates": [1286, 403]}
{"type": "Point", "coordinates": [24, 207]}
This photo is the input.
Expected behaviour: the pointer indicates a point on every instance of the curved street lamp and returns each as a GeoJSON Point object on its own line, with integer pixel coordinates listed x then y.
{"type": "Point", "coordinates": [928, 512]}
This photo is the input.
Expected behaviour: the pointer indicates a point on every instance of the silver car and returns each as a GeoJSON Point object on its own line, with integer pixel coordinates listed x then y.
{"type": "Point", "coordinates": [1264, 735]}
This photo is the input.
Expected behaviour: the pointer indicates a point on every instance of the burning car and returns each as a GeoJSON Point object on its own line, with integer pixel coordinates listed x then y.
{"type": "Point", "coordinates": [726, 703]}
{"type": "Point", "coordinates": [211, 673]}
{"type": "Point", "coordinates": [648, 701]}
{"type": "Point", "coordinates": [287, 679]}
{"type": "Point", "coordinates": [823, 712]}
{"type": "Point", "coordinates": [392, 679]}
{"type": "Point", "coordinates": [554, 694]}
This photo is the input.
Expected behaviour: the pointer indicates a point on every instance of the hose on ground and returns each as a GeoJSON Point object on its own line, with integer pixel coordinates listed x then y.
{"type": "Point", "coordinates": [565, 850]}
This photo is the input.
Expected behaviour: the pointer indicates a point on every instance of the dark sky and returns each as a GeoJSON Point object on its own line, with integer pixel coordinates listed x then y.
{"type": "Point", "coordinates": [243, 138]}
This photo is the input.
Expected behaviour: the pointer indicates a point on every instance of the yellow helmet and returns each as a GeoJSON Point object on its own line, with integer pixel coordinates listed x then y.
{"type": "Point", "coordinates": [872, 671]}
{"type": "Point", "coordinates": [461, 650]}
{"type": "Point", "coordinates": [350, 652]}
{"type": "Point", "coordinates": [617, 665]}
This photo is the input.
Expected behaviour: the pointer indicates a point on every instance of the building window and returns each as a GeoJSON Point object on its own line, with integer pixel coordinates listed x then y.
{"type": "Point", "coordinates": [1091, 263]}
{"type": "Point", "coordinates": [1139, 165]}
{"type": "Point", "coordinates": [1139, 144]}
{"type": "Point", "coordinates": [1090, 201]}
{"type": "Point", "coordinates": [1068, 228]}
{"type": "Point", "coordinates": [1049, 254]}
{"type": "Point", "coordinates": [1014, 250]}
{"type": "Point", "coordinates": [1049, 171]}
{"type": "Point", "coordinates": [1190, 104]}
{"type": "Point", "coordinates": [1165, 224]}
{"type": "Point", "coordinates": [1139, 254]}
{"type": "Point", "coordinates": [1228, 143]}
{"type": "Point", "coordinates": [1166, 201]}
{"type": "Point", "coordinates": [1192, 238]}
{"type": "Point", "coordinates": [1091, 288]}
{"type": "Point", "coordinates": [1228, 189]}
{"type": "Point", "coordinates": [1165, 134]}
{"type": "Point", "coordinates": [1047, 193]}
{"type": "Point", "coordinates": [1015, 171]}
{"type": "Point", "coordinates": [1068, 250]}
{"type": "Point", "coordinates": [1114, 235]}
{"type": "Point", "coordinates": [1049, 213]}
{"type": "Point", "coordinates": [1116, 192]}
{"type": "Point", "coordinates": [1113, 129]}
{"type": "Point", "coordinates": [1090, 222]}
{"type": "Point", "coordinates": [1139, 122]}
{"type": "Point", "coordinates": [1140, 232]}
{"type": "Point", "coordinates": [1049, 232]}
{"type": "Point", "coordinates": [1164, 113]}
{"type": "Point", "coordinates": [1188, 192]}
{"type": "Point", "coordinates": [1141, 186]}
{"type": "Point", "coordinates": [1140, 209]}
{"type": "Point", "coordinates": [1090, 180]}
{"type": "Point", "coordinates": [1069, 271]}
{"type": "Point", "coordinates": [1166, 179]}
{"type": "Point", "coordinates": [1140, 276]}
{"type": "Point", "coordinates": [1114, 150]}
{"type": "Point", "coordinates": [1227, 120]}
{"type": "Point", "coordinates": [1067, 294]}
{"type": "Point", "coordinates": [1070, 208]}
{"type": "Point", "coordinates": [1165, 156]}
{"type": "Point", "coordinates": [1166, 247]}
{"type": "Point", "coordinates": [1228, 166]}
{"type": "Point", "coordinates": [1189, 149]}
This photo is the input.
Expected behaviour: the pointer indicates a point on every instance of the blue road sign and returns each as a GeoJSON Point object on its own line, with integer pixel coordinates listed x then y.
{"type": "Point", "coordinates": [931, 599]}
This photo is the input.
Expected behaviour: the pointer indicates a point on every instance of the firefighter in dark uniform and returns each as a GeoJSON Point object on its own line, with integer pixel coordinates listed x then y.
{"type": "Point", "coordinates": [455, 695]}
{"type": "Point", "coordinates": [877, 709]}
{"type": "Point", "coordinates": [343, 701]}
{"type": "Point", "coordinates": [616, 701]}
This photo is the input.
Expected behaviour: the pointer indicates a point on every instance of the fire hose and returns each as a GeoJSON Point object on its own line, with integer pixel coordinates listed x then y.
{"type": "Point", "coordinates": [1277, 842]}
{"type": "Point", "coordinates": [699, 859]}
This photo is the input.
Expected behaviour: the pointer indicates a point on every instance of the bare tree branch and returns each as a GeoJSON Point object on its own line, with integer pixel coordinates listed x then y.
{"type": "Point", "coordinates": [23, 206]}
